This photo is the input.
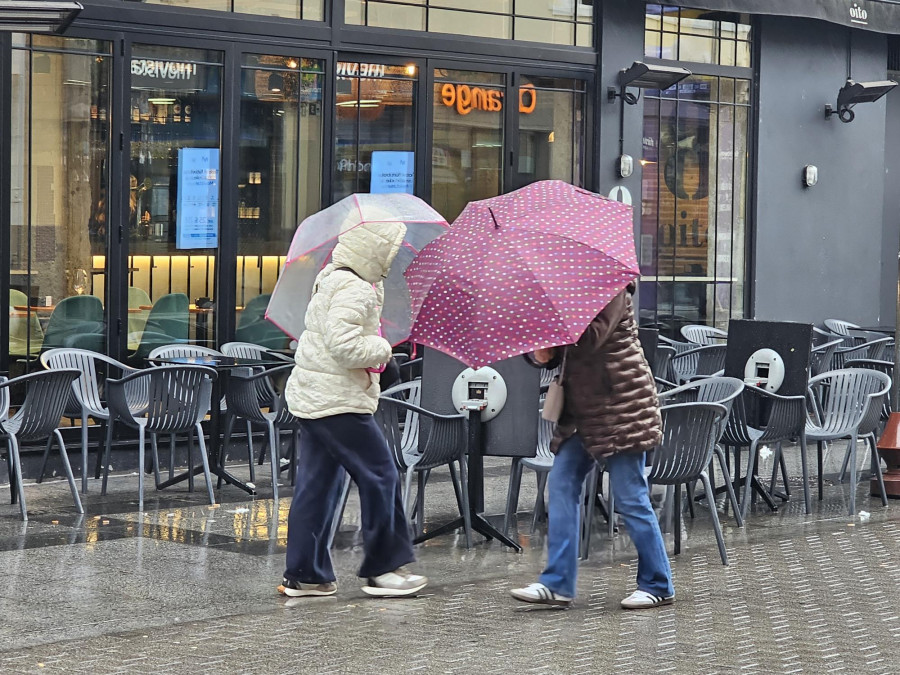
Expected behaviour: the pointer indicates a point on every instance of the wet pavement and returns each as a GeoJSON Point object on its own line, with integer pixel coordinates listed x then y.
{"type": "Point", "coordinates": [188, 588]}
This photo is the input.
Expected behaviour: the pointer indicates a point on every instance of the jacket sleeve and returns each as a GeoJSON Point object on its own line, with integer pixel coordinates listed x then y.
{"type": "Point", "coordinates": [605, 322]}
{"type": "Point", "coordinates": [344, 337]}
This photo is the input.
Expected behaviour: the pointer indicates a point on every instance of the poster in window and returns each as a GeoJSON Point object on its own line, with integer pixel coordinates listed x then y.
{"type": "Point", "coordinates": [393, 171]}
{"type": "Point", "coordinates": [197, 221]}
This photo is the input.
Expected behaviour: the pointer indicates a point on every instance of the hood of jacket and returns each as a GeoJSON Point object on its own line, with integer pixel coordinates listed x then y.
{"type": "Point", "coordinates": [369, 249]}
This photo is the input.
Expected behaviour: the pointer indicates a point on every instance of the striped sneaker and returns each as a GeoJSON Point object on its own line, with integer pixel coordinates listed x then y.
{"type": "Point", "coordinates": [644, 600]}
{"type": "Point", "coordinates": [539, 594]}
{"type": "Point", "coordinates": [297, 589]}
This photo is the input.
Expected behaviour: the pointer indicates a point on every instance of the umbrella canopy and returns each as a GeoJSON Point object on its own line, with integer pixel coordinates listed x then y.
{"type": "Point", "coordinates": [316, 238]}
{"type": "Point", "coordinates": [519, 272]}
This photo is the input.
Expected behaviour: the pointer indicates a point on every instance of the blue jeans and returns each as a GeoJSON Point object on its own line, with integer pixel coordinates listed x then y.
{"type": "Point", "coordinates": [632, 499]}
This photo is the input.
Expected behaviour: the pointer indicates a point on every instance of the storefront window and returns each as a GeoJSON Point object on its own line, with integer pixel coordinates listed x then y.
{"type": "Point", "coordinates": [280, 178]}
{"type": "Point", "coordinates": [308, 10]}
{"type": "Point", "coordinates": [467, 151]}
{"type": "Point", "coordinates": [374, 128]}
{"type": "Point", "coordinates": [693, 209]}
{"type": "Point", "coordinates": [551, 129]}
{"type": "Point", "coordinates": [173, 200]}
{"type": "Point", "coordinates": [697, 35]}
{"type": "Point", "coordinates": [563, 22]}
{"type": "Point", "coordinates": [59, 215]}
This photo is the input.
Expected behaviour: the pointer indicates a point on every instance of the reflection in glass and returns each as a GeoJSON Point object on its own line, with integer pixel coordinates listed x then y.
{"type": "Point", "coordinates": [551, 130]}
{"type": "Point", "coordinates": [279, 182]}
{"type": "Point", "coordinates": [173, 214]}
{"type": "Point", "coordinates": [375, 113]}
{"type": "Point", "coordinates": [59, 133]}
{"type": "Point", "coordinates": [308, 10]}
{"type": "Point", "coordinates": [693, 205]}
{"type": "Point", "coordinates": [467, 151]}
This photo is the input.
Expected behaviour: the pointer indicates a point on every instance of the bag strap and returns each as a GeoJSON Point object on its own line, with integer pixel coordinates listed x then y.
{"type": "Point", "coordinates": [562, 368]}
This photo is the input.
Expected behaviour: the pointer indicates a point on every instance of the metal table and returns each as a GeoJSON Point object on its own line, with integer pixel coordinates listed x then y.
{"type": "Point", "coordinates": [222, 365]}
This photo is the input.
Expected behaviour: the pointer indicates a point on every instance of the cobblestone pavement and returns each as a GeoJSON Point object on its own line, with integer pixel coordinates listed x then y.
{"type": "Point", "coordinates": [185, 588]}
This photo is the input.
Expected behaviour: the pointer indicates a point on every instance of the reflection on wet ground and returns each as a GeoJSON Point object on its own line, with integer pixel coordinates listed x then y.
{"type": "Point", "coordinates": [187, 587]}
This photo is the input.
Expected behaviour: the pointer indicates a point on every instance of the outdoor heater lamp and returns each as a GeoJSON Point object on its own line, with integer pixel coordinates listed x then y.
{"type": "Point", "coordinates": [857, 92]}
{"type": "Point", "coordinates": [645, 76]}
{"type": "Point", "coordinates": [37, 16]}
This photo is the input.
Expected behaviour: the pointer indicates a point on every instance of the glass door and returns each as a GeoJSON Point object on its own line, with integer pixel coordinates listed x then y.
{"type": "Point", "coordinates": [59, 209]}
{"type": "Point", "coordinates": [172, 210]}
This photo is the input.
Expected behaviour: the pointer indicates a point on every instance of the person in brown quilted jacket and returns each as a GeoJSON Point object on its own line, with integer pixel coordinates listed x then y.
{"type": "Point", "coordinates": [611, 414]}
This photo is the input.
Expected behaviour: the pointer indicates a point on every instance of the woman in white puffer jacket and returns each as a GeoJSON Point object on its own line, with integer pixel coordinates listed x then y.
{"type": "Point", "coordinates": [334, 391]}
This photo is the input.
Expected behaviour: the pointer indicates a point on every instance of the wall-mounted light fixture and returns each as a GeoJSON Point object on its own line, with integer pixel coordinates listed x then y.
{"type": "Point", "coordinates": [810, 175]}
{"type": "Point", "coordinates": [640, 76]}
{"type": "Point", "coordinates": [37, 16]}
{"type": "Point", "coordinates": [857, 92]}
{"type": "Point", "coordinates": [645, 76]}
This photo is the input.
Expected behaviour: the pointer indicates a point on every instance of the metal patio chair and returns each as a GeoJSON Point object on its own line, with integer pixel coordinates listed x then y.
{"type": "Point", "coordinates": [704, 335]}
{"type": "Point", "coordinates": [46, 394]}
{"type": "Point", "coordinates": [723, 391]}
{"type": "Point", "coordinates": [88, 397]}
{"type": "Point", "coordinates": [690, 433]}
{"type": "Point", "coordinates": [699, 362]}
{"type": "Point", "coordinates": [245, 402]}
{"type": "Point", "coordinates": [848, 406]}
{"type": "Point", "coordinates": [442, 440]}
{"type": "Point", "coordinates": [178, 398]}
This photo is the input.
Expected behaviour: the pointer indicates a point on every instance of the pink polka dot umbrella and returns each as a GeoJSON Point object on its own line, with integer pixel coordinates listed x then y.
{"type": "Point", "coordinates": [523, 271]}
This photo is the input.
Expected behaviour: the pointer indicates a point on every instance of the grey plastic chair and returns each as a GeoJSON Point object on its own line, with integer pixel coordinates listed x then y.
{"type": "Point", "coordinates": [178, 398]}
{"type": "Point", "coordinates": [821, 356]}
{"type": "Point", "coordinates": [848, 404]}
{"type": "Point", "coordinates": [874, 349]}
{"type": "Point", "coordinates": [690, 434]}
{"type": "Point", "coordinates": [839, 326]}
{"type": "Point", "coordinates": [46, 394]}
{"type": "Point", "coordinates": [785, 421]}
{"type": "Point", "coordinates": [664, 355]}
{"type": "Point", "coordinates": [88, 399]}
{"type": "Point", "coordinates": [699, 362]}
{"type": "Point", "coordinates": [541, 464]}
{"type": "Point", "coordinates": [723, 391]}
{"type": "Point", "coordinates": [704, 335]}
{"type": "Point", "coordinates": [270, 410]}
{"type": "Point", "coordinates": [442, 441]}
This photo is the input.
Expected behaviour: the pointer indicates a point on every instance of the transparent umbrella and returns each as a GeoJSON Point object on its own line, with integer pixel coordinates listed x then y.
{"type": "Point", "coordinates": [316, 238]}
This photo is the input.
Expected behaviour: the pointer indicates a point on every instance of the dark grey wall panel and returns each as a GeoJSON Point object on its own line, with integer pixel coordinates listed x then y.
{"type": "Point", "coordinates": [818, 251]}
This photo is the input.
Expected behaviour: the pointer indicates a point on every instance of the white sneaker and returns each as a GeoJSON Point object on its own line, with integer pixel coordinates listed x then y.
{"type": "Point", "coordinates": [539, 594]}
{"type": "Point", "coordinates": [644, 600]}
{"type": "Point", "coordinates": [399, 583]}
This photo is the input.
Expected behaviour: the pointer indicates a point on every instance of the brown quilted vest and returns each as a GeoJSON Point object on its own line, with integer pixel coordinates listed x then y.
{"type": "Point", "coordinates": [610, 394]}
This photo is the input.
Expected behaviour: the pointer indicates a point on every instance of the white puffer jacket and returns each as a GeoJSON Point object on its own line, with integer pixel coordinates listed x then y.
{"type": "Point", "coordinates": [341, 338]}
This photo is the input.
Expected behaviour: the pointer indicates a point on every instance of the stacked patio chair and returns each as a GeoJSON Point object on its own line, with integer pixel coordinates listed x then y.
{"type": "Point", "coordinates": [874, 349]}
{"type": "Point", "coordinates": [699, 362]}
{"type": "Point", "coordinates": [541, 464]}
{"type": "Point", "coordinates": [704, 335]}
{"type": "Point", "coordinates": [848, 405]}
{"type": "Point", "coordinates": [87, 400]}
{"type": "Point", "coordinates": [840, 327]}
{"type": "Point", "coordinates": [47, 392]}
{"type": "Point", "coordinates": [178, 398]}
{"type": "Point", "coordinates": [821, 356]}
{"type": "Point", "coordinates": [690, 433]}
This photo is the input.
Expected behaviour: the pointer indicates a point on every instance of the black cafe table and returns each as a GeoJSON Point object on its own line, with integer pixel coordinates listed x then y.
{"type": "Point", "coordinates": [222, 365]}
